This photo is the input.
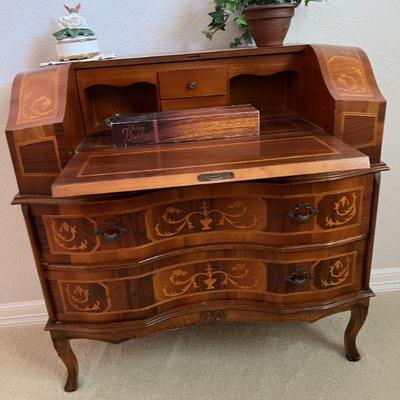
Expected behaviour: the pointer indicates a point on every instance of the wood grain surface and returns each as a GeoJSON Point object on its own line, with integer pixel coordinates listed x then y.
{"type": "Point", "coordinates": [185, 125]}
{"type": "Point", "coordinates": [182, 164]}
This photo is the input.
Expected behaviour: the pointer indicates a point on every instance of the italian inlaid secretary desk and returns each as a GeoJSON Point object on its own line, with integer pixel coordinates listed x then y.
{"type": "Point", "coordinates": [132, 242]}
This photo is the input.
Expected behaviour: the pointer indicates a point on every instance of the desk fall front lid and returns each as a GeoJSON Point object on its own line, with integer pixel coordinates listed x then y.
{"type": "Point", "coordinates": [204, 162]}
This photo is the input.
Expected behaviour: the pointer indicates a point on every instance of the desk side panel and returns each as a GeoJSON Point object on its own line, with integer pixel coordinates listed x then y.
{"type": "Point", "coordinates": [44, 126]}
{"type": "Point", "coordinates": [342, 96]}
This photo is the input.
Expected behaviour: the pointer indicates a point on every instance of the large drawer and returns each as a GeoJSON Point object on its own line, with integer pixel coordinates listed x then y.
{"type": "Point", "coordinates": [142, 226]}
{"type": "Point", "coordinates": [236, 272]}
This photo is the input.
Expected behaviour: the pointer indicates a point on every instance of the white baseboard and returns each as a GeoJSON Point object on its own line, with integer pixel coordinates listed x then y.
{"type": "Point", "coordinates": [34, 312]}
{"type": "Point", "coordinates": [385, 280]}
{"type": "Point", "coordinates": [23, 313]}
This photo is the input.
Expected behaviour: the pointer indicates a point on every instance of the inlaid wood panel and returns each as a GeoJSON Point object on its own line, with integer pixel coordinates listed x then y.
{"type": "Point", "coordinates": [39, 96]}
{"type": "Point", "coordinates": [68, 235]}
{"type": "Point", "coordinates": [347, 72]}
{"type": "Point", "coordinates": [206, 215]}
{"type": "Point", "coordinates": [134, 291]}
{"type": "Point", "coordinates": [204, 163]}
{"type": "Point", "coordinates": [87, 297]}
{"type": "Point", "coordinates": [44, 126]}
{"type": "Point", "coordinates": [354, 108]}
{"type": "Point", "coordinates": [39, 157]}
{"type": "Point", "coordinates": [360, 129]}
{"type": "Point", "coordinates": [219, 275]}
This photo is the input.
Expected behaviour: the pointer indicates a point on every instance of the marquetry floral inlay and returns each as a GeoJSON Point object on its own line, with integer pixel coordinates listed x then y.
{"type": "Point", "coordinates": [338, 273]}
{"type": "Point", "coordinates": [182, 281]}
{"type": "Point", "coordinates": [65, 236]}
{"type": "Point", "coordinates": [345, 210]}
{"type": "Point", "coordinates": [80, 299]}
{"type": "Point", "coordinates": [177, 222]}
{"type": "Point", "coordinates": [36, 108]}
{"type": "Point", "coordinates": [349, 75]}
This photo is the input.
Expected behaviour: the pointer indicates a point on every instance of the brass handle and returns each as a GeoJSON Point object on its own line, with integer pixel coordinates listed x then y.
{"type": "Point", "coordinates": [302, 213]}
{"type": "Point", "coordinates": [192, 85]}
{"type": "Point", "coordinates": [299, 277]}
{"type": "Point", "coordinates": [215, 177]}
{"type": "Point", "coordinates": [110, 231]}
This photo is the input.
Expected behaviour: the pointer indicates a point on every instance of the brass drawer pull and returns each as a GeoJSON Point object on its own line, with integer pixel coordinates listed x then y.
{"type": "Point", "coordinates": [215, 177]}
{"type": "Point", "coordinates": [192, 85]}
{"type": "Point", "coordinates": [111, 231]}
{"type": "Point", "coordinates": [302, 213]}
{"type": "Point", "coordinates": [299, 277]}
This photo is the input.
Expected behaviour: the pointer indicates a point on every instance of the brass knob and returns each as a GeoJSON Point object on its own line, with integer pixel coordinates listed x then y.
{"type": "Point", "coordinates": [192, 85]}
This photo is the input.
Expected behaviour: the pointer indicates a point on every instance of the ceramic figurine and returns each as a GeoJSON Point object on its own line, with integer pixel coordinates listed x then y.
{"type": "Point", "coordinates": [75, 41]}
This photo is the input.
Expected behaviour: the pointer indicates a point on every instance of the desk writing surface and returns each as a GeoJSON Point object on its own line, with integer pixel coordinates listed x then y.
{"type": "Point", "coordinates": [187, 164]}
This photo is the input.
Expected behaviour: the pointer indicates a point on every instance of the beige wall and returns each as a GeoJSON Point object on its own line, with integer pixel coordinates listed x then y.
{"type": "Point", "coordinates": [143, 27]}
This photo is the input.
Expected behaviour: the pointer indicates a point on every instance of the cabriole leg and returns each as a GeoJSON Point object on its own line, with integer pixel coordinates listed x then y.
{"type": "Point", "coordinates": [358, 315]}
{"type": "Point", "coordinates": [64, 351]}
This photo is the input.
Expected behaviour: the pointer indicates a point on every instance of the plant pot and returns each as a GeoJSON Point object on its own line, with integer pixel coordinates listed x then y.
{"type": "Point", "coordinates": [269, 24]}
{"type": "Point", "coordinates": [78, 48]}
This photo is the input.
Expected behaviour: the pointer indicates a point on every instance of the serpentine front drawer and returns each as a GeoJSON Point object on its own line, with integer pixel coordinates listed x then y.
{"type": "Point", "coordinates": [142, 226]}
{"type": "Point", "coordinates": [130, 292]}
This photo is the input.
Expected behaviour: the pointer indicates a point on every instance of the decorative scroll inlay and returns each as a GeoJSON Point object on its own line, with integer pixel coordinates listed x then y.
{"type": "Point", "coordinates": [177, 221]}
{"type": "Point", "coordinates": [345, 210]}
{"type": "Point", "coordinates": [70, 235]}
{"type": "Point", "coordinates": [38, 96]}
{"type": "Point", "coordinates": [208, 280]}
{"type": "Point", "coordinates": [79, 299]}
{"type": "Point", "coordinates": [347, 71]}
{"type": "Point", "coordinates": [338, 273]}
{"type": "Point", "coordinates": [65, 236]}
{"type": "Point", "coordinates": [89, 297]}
{"type": "Point", "coordinates": [182, 281]}
{"type": "Point", "coordinates": [36, 107]}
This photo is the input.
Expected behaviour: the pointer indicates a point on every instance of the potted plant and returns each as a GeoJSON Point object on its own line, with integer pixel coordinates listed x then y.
{"type": "Point", "coordinates": [75, 41]}
{"type": "Point", "coordinates": [267, 21]}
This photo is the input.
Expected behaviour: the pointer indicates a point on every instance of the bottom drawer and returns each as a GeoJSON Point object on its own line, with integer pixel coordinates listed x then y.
{"type": "Point", "coordinates": [132, 292]}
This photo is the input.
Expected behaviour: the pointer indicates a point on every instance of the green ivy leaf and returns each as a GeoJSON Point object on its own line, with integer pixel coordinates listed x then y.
{"type": "Point", "coordinates": [240, 21]}
{"type": "Point", "coordinates": [224, 9]}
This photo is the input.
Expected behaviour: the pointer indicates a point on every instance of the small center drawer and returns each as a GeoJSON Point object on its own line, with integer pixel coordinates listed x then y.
{"type": "Point", "coordinates": [193, 83]}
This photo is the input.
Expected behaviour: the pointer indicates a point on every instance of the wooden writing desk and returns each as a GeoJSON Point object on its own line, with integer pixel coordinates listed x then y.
{"type": "Point", "coordinates": [133, 242]}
